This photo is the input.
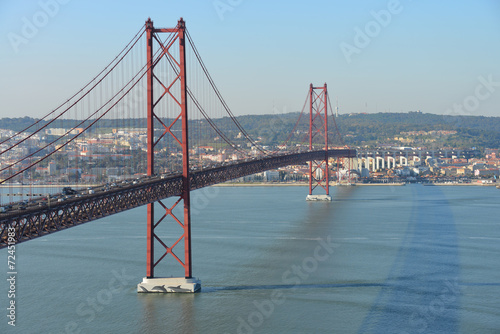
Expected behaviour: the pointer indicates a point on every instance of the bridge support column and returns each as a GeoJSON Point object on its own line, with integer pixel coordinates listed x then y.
{"type": "Point", "coordinates": [318, 129]}
{"type": "Point", "coordinates": [373, 163]}
{"type": "Point", "coordinates": [389, 158]}
{"type": "Point", "coordinates": [378, 159]}
{"type": "Point", "coordinates": [151, 283]}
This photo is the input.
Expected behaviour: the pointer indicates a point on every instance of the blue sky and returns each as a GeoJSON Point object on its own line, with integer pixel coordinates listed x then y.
{"type": "Point", "coordinates": [436, 56]}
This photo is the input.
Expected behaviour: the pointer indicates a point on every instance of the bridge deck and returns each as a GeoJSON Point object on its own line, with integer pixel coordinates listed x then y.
{"type": "Point", "coordinates": [36, 221]}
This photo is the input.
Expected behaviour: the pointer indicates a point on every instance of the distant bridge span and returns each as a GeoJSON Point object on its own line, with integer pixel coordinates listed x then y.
{"type": "Point", "coordinates": [38, 221]}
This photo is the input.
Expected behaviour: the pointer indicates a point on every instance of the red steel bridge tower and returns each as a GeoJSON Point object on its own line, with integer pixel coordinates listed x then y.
{"type": "Point", "coordinates": [318, 134]}
{"type": "Point", "coordinates": [166, 50]}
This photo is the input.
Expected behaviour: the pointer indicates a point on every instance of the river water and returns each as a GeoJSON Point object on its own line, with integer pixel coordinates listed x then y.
{"type": "Point", "coordinates": [379, 259]}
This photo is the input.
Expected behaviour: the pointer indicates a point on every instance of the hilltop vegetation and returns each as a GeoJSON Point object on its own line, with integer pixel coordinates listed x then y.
{"type": "Point", "coordinates": [471, 131]}
{"type": "Point", "coordinates": [381, 128]}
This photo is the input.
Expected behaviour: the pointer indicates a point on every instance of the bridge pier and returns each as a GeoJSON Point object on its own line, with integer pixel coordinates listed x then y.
{"type": "Point", "coordinates": [318, 198]}
{"type": "Point", "coordinates": [169, 284]}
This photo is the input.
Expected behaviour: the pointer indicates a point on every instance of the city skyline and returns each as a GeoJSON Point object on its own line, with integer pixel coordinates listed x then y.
{"type": "Point", "coordinates": [383, 56]}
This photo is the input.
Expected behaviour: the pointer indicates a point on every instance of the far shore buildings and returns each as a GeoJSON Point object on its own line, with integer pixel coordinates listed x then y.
{"type": "Point", "coordinates": [99, 157]}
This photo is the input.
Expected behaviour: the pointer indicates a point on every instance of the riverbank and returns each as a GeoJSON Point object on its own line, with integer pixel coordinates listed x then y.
{"type": "Point", "coordinates": [259, 184]}
{"type": "Point", "coordinates": [271, 184]}
{"type": "Point", "coordinates": [443, 184]}
{"type": "Point", "coordinates": [397, 184]}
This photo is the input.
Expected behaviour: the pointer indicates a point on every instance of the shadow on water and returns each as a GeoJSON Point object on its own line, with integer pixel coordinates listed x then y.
{"type": "Point", "coordinates": [289, 286]}
{"type": "Point", "coordinates": [324, 286]}
{"type": "Point", "coordinates": [323, 212]}
{"type": "Point", "coordinates": [422, 291]}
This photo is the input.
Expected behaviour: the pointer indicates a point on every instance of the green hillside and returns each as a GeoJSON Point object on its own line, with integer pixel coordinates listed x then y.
{"type": "Point", "coordinates": [356, 129]}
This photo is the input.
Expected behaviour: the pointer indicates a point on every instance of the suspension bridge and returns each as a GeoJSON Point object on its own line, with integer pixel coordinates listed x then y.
{"type": "Point", "coordinates": [133, 117]}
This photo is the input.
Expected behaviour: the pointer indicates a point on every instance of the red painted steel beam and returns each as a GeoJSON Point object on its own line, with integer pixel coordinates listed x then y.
{"type": "Point", "coordinates": [326, 173]}
{"type": "Point", "coordinates": [310, 136]}
{"type": "Point", "coordinates": [186, 187]}
{"type": "Point", "coordinates": [150, 263]}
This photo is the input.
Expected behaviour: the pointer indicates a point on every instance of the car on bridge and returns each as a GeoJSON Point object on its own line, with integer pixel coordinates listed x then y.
{"type": "Point", "coordinates": [68, 191]}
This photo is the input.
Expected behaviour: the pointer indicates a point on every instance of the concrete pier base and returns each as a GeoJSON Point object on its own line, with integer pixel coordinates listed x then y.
{"type": "Point", "coordinates": [170, 284]}
{"type": "Point", "coordinates": [318, 198]}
